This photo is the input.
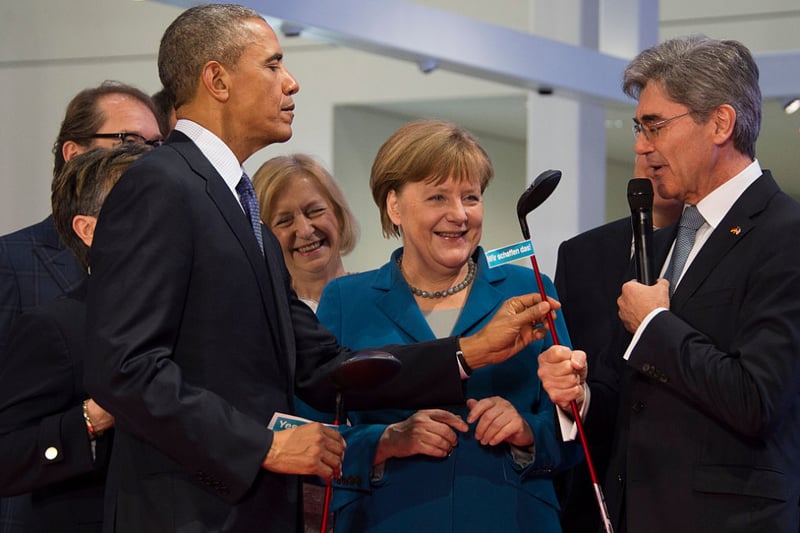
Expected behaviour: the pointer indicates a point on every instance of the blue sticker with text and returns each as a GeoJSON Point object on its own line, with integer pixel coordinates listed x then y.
{"type": "Point", "coordinates": [512, 252]}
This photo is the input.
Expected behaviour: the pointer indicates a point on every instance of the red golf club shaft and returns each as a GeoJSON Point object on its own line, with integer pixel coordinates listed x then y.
{"type": "Point", "coordinates": [329, 485]}
{"type": "Point", "coordinates": [601, 502]}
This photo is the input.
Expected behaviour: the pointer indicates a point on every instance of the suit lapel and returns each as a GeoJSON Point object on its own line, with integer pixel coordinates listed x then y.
{"type": "Point", "coordinates": [484, 298]}
{"type": "Point", "coordinates": [276, 268]}
{"type": "Point", "coordinates": [59, 261]}
{"type": "Point", "coordinates": [396, 295]}
{"type": "Point", "coordinates": [230, 209]}
{"type": "Point", "coordinates": [735, 225]}
{"type": "Point", "coordinates": [615, 246]}
{"type": "Point", "coordinates": [662, 242]}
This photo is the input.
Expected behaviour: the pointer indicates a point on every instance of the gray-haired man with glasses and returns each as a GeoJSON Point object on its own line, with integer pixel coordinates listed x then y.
{"type": "Point", "coordinates": [35, 266]}
{"type": "Point", "coordinates": [708, 407]}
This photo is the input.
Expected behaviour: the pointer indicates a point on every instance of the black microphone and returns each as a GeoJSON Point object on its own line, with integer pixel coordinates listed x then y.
{"type": "Point", "coordinates": [640, 199]}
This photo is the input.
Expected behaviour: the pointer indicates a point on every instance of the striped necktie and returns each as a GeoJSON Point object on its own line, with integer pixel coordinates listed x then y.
{"type": "Point", "coordinates": [691, 220]}
{"type": "Point", "coordinates": [247, 196]}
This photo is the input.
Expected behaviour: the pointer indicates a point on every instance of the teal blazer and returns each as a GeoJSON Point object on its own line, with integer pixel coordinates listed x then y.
{"type": "Point", "coordinates": [476, 488]}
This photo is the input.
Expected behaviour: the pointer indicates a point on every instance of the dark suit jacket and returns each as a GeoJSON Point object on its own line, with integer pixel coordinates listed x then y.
{"type": "Point", "coordinates": [590, 271]}
{"type": "Point", "coordinates": [710, 432]}
{"type": "Point", "coordinates": [44, 446]}
{"type": "Point", "coordinates": [35, 268]}
{"type": "Point", "coordinates": [196, 340]}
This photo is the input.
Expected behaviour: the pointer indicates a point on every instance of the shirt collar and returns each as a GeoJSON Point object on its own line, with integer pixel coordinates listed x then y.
{"type": "Point", "coordinates": [717, 203]}
{"type": "Point", "coordinates": [215, 150]}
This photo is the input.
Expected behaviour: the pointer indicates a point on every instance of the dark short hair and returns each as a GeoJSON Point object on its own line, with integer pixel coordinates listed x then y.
{"type": "Point", "coordinates": [203, 33]}
{"type": "Point", "coordinates": [421, 151]}
{"type": "Point", "coordinates": [84, 116]}
{"type": "Point", "coordinates": [82, 186]}
{"type": "Point", "coordinates": [703, 74]}
{"type": "Point", "coordinates": [274, 176]}
{"type": "Point", "coordinates": [164, 104]}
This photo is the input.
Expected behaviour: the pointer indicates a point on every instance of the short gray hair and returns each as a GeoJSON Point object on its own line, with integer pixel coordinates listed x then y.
{"type": "Point", "coordinates": [703, 74]}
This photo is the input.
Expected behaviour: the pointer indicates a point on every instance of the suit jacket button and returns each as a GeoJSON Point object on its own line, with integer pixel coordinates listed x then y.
{"type": "Point", "coordinates": [51, 453]}
{"type": "Point", "coordinates": [646, 367]}
{"type": "Point", "coordinates": [638, 407]}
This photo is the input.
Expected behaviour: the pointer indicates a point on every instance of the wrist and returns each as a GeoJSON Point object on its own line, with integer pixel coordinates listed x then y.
{"type": "Point", "coordinates": [462, 361]}
{"type": "Point", "coordinates": [383, 449]}
{"type": "Point", "coordinates": [90, 428]}
{"type": "Point", "coordinates": [473, 353]}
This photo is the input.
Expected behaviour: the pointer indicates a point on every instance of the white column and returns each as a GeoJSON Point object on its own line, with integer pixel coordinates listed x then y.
{"type": "Point", "coordinates": [568, 135]}
{"type": "Point", "coordinates": [628, 26]}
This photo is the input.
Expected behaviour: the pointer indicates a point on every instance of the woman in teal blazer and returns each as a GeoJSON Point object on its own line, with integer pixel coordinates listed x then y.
{"type": "Point", "coordinates": [475, 487]}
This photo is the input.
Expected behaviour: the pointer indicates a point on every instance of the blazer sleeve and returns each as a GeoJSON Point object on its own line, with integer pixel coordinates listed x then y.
{"type": "Point", "coordinates": [39, 411]}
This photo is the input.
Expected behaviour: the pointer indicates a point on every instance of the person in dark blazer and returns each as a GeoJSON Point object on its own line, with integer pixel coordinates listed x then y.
{"type": "Point", "coordinates": [590, 270]}
{"type": "Point", "coordinates": [196, 338]}
{"type": "Point", "coordinates": [35, 265]}
{"type": "Point", "coordinates": [483, 465]}
{"type": "Point", "coordinates": [54, 440]}
{"type": "Point", "coordinates": [709, 407]}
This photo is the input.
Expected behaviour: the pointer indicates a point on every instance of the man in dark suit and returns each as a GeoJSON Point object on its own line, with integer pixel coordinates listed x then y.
{"type": "Point", "coordinates": [196, 337]}
{"type": "Point", "coordinates": [35, 266]}
{"type": "Point", "coordinates": [55, 441]}
{"type": "Point", "coordinates": [591, 269]}
{"type": "Point", "coordinates": [709, 406]}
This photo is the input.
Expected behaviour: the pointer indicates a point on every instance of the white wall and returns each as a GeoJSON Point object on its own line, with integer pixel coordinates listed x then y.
{"type": "Point", "coordinates": [51, 50]}
{"type": "Point", "coordinates": [48, 52]}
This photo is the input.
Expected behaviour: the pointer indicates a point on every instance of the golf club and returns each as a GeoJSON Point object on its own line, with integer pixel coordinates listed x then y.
{"type": "Point", "coordinates": [366, 368]}
{"type": "Point", "coordinates": [538, 191]}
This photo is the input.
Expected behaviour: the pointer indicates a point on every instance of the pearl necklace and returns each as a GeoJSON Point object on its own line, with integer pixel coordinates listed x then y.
{"type": "Point", "coordinates": [472, 267]}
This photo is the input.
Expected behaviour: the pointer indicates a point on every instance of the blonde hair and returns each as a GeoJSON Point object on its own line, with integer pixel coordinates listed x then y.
{"type": "Point", "coordinates": [421, 151]}
{"type": "Point", "coordinates": [274, 176]}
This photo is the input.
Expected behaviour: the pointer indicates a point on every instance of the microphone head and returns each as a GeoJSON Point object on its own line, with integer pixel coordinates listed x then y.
{"type": "Point", "coordinates": [640, 194]}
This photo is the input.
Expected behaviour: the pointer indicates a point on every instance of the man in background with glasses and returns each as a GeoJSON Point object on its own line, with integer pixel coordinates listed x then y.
{"type": "Point", "coordinates": [708, 406]}
{"type": "Point", "coordinates": [35, 266]}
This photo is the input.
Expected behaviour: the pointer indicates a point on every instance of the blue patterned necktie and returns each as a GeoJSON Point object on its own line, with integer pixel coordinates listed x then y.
{"type": "Point", "coordinates": [247, 195]}
{"type": "Point", "coordinates": [691, 220]}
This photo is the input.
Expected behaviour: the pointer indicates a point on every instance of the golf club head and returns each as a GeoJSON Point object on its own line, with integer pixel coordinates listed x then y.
{"type": "Point", "coordinates": [535, 195]}
{"type": "Point", "coordinates": [365, 369]}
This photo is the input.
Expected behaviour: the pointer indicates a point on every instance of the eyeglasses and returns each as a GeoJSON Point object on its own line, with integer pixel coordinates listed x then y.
{"type": "Point", "coordinates": [650, 131]}
{"type": "Point", "coordinates": [129, 138]}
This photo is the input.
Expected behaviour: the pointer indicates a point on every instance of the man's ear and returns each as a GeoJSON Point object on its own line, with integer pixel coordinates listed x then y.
{"type": "Point", "coordinates": [724, 119]}
{"type": "Point", "coordinates": [216, 81]}
{"type": "Point", "coordinates": [83, 226]}
{"type": "Point", "coordinates": [70, 149]}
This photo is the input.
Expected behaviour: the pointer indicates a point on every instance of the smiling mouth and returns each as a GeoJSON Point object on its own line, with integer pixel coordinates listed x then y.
{"type": "Point", "coordinates": [450, 235]}
{"type": "Point", "coordinates": [309, 247]}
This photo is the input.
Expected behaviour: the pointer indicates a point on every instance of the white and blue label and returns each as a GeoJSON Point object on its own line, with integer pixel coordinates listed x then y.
{"type": "Point", "coordinates": [506, 254]}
